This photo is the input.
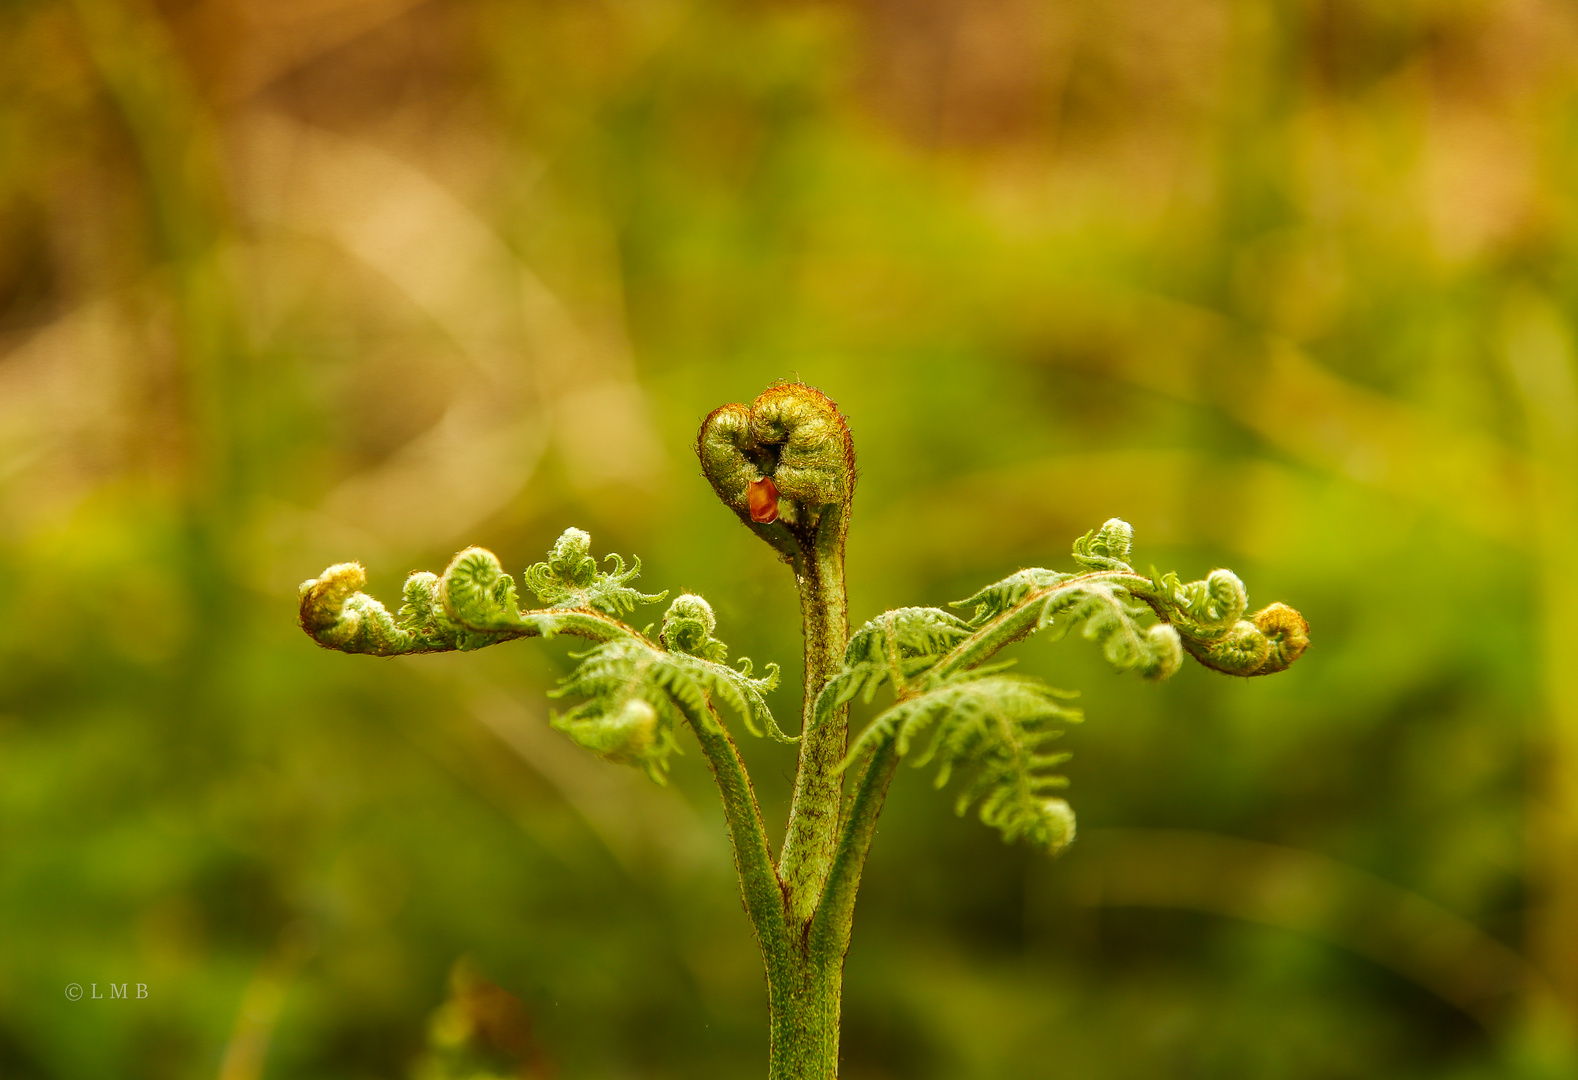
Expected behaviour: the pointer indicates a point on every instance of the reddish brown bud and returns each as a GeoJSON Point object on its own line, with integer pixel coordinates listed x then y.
{"type": "Point", "coordinates": [762, 495]}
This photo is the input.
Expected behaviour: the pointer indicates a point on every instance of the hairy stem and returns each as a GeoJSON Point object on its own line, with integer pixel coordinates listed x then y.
{"type": "Point", "coordinates": [804, 1004]}
{"type": "Point", "coordinates": [811, 840]}
{"type": "Point", "coordinates": [760, 887]}
{"type": "Point", "coordinates": [828, 939]}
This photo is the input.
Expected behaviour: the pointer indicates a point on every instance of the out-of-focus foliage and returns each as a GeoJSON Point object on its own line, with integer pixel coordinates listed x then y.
{"type": "Point", "coordinates": [1289, 285]}
{"type": "Point", "coordinates": [483, 1032]}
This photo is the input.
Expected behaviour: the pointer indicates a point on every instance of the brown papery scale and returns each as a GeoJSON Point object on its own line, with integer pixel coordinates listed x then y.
{"type": "Point", "coordinates": [762, 495]}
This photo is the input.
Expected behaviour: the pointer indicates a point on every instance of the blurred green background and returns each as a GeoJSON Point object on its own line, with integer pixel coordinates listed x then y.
{"type": "Point", "coordinates": [1288, 284]}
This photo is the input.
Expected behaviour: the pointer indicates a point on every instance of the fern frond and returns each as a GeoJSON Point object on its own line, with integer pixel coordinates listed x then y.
{"type": "Point", "coordinates": [473, 603]}
{"type": "Point", "coordinates": [669, 686]}
{"type": "Point", "coordinates": [627, 717]}
{"type": "Point", "coordinates": [1204, 618]}
{"type": "Point", "coordinates": [1003, 595]}
{"type": "Point", "coordinates": [701, 658]}
{"type": "Point", "coordinates": [337, 615]}
{"type": "Point", "coordinates": [1208, 615]}
{"type": "Point", "coordinates": [1106, 616]}
{"type": "Point", "coordinates": [998, 726]}
{"type": "Point", "coordinates": [637, 693]}
{"type": "Point", "coordinates": [941, 670]}
{"type": "Point", "coordinates": [1050, 601]}
{"type": "Point", "coordinates": [896, 646]}
{"type": "Point", "coordinates": [570, 579]}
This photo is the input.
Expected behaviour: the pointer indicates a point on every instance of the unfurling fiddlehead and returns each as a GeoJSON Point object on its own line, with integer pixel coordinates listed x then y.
{"type": "Point", "coordinates": [780, 463]}
{"type": "Point", "coordinates": [997, 724]}
{"type": "Point", "coordinates": [636, 690]}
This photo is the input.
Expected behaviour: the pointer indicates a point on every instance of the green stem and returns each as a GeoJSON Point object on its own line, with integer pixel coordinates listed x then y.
{"type": "Point", "coordinates": [760, 888]}
{"type": "Point", "coordinates": [581, 623]}
{"type": "Point", "coordinates": [804, 993]}
{"type": "Point", "coordinates": [828, 939]}
{"type": "Point", "coordinates": [805, 998]}
{"type": "Point", "coordinates": [803, 1004]}
{"type": "Point", "coordinates": [811, 839]}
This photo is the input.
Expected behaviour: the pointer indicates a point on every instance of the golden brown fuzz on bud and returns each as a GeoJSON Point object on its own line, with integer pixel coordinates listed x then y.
{"type": "Point", "coordinates": [1288, 635]}
{"type": "Point", "coordinates": [785, 464]}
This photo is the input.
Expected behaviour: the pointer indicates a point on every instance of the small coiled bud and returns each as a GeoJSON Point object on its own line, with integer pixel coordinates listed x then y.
{"type": "Point", "coordinates": [476, 592]}
{"type": "Point", "coordinates": [338, 615]}
{"type": "Point", "coordinates": [1055, 831]}
{"type": "Point", "coordinates": [1106, 548]}
{"type": "Point", "coordinates": [571, 558]}
{"type": "Point", "coordinates": [1227, 597]}
{"type": "Point", "coordinates": [1287, 635]}
{"type": "Point", "coordinates": [421, 595]}
{"type": "Point", "coordinates": [1164, 655]}
{"type": "Point", "coordinates": [687, 627]}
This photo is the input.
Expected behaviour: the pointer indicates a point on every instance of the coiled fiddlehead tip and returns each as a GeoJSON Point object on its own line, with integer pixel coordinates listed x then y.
{"type": "Point", "coordinates": [336, 614]}
{"type": "Point", "coordinates": [1287, 634]}
{"type": "Point", "coordinates": [687, 627]}
{"type": "Point", "coordinates": [1056, 828]}
{"type": "Point", "coordinates": [1264, 644]}
{"type": "Point", "coordinates": [571, 557]}
{"type": "Point", "coordinates": [475, 592]}
{"type": "Point", "coordinates": [1106, 548]}
{"type": "Point", "coordinates": [322, 597]}
{"type": "Point", "coordinates": [779, 462]}
{"type": "Point", "coordinates": [1206, 617]}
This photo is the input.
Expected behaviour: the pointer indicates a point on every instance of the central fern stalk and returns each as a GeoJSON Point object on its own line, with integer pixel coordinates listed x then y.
{"type": "Point", "coordinates": [813, 817]}
{"type": "Point", "coordinates": [805, 998]}
{"type": "Point", "coordinates": [786, 465]}
{"type": "Point", "coordinates": [804, 1003]}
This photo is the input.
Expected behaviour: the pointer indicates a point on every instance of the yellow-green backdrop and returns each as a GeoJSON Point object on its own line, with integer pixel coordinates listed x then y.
{"type": "Point", "coordinates": [1290, 285]}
